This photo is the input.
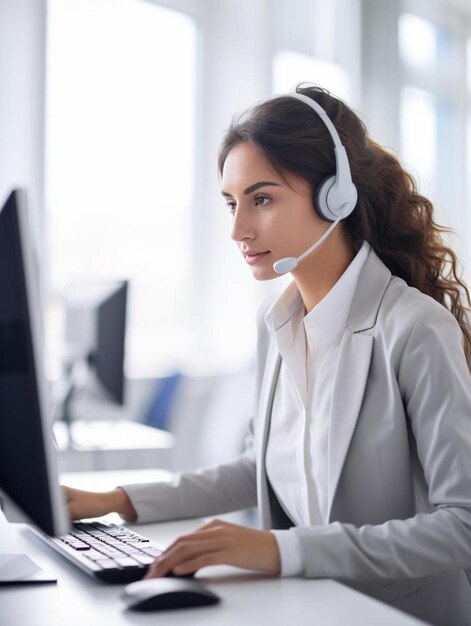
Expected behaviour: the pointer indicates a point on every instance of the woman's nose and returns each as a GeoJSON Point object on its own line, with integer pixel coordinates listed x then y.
{"type": "Point", "coordinates": [242, 227]}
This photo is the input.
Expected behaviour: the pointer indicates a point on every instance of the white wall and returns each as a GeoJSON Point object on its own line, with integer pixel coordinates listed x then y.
{"type": "Point", "coordinates": [235, 70]}
{"type": "Point", "coordinates": [22, 77]}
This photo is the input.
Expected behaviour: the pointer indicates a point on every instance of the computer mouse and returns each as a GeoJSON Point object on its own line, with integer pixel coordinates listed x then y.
{"type": "Point", "coordinates": [167, 593]}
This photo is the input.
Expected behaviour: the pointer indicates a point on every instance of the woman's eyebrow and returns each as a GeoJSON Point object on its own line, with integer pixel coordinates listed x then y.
{"type": "Point", "coordinates": [254, 187]}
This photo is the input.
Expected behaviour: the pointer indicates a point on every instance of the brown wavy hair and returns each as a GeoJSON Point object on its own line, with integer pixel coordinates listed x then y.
{"type": "Point", "coordinates": [391, 214]}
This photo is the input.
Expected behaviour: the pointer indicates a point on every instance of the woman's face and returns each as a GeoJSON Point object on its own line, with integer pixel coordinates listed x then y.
{"type": "Point", "coordinates": [273, 216]}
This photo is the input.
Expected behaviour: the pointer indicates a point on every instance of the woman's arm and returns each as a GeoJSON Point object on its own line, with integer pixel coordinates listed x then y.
{"type": "Point", "coordinates": [83, 504]}
{"type": "Point", "coordinates": [217, 490]}
{"type": "Point", "coordinates": [213, 491]}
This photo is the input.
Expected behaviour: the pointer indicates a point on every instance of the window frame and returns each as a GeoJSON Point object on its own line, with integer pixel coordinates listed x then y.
{"type": "Point", "coordinates": [384, 77]}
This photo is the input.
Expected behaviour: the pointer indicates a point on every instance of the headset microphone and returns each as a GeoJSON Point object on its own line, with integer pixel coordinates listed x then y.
{"type": "Point", "coordinates": [336, 196]}
{"type": "Point", "coordinates": [290, 263]}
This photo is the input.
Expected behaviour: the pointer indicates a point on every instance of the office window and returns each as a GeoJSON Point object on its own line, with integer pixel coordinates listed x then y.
{"type": "Point", "coordinates": [120, 165]}
{"type": "Point", "coordinates": [419, 137]}
{"type": "Point", "coordinates": [430, 102]}
{"type": "Point", "coordinates": [468, 187]}
{"type": "Point", "coordinates": [417, 41]}
{"type": "Point", "coordinates": [418, 86]}
{"type": "Point", "coordinates": [425, 46]}
{"type": "Point", "coordinates": [468, 63]}
{"type": "Point", "coordinates": [291, 68]}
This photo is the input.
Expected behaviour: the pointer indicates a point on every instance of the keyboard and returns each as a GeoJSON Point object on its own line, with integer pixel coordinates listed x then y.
{"type": "Point", "coordinates": [113, 554]}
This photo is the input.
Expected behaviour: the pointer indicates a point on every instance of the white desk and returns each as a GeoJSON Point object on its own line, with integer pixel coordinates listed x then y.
{"type": "Point", "coordinates": [112, 445]}
{"type": "Point", "coordinates": [247, 598]}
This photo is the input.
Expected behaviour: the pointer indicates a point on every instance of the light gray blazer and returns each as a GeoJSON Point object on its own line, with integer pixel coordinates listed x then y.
{"type": "Point", "coordinates": [399, 457]}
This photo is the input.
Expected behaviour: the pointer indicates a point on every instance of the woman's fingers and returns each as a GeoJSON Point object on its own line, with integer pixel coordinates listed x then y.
{"type": "Point", "coordinates": [193, 565]}
{"type": "Point", "coordinates": [182, 551]}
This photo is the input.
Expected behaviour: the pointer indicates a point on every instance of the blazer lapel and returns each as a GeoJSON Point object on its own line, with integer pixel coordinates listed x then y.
{"type": "Point", "coordinates": [349, 388]}
{"type": "Point", "coordinates": [353, 366]}
{"type": "Point", "coordinates": [272, 369]}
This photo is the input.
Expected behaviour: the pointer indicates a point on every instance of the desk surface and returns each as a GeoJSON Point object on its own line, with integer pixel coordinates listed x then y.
{"type": "Point", "coordinates": [112, 445]}
{"type": "Point", "coordinates": [247, 597]}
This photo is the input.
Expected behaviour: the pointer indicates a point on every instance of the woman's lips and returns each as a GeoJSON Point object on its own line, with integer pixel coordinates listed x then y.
{"type": "Point", "coordinates": [252, 258]}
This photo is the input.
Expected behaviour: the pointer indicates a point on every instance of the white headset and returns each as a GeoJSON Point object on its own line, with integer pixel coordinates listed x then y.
{"type": "Point", "coordinates": [335, 197]}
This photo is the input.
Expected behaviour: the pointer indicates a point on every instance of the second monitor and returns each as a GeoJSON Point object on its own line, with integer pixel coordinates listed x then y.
{"type": "Point", "coordinates": [95, 331]}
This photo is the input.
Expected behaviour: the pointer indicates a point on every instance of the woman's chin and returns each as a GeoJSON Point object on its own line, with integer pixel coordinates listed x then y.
{"type": "Point", "coordinates": [262, 274]}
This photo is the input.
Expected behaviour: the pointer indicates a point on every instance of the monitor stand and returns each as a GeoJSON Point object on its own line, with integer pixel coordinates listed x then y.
{"type": "Point", "coordinates": [17, 569]}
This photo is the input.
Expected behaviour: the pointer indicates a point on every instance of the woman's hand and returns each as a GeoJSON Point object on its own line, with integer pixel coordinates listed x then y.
{"type": "Point", "coordinates": [83, 504]}
{"type": "Point", "coordinates": [217, 543]}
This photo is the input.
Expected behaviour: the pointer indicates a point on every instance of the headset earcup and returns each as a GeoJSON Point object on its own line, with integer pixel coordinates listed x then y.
{"type": "Point", "coordinates": [320, 199]}
{"type": "Point", "coordinates": [327, 206]}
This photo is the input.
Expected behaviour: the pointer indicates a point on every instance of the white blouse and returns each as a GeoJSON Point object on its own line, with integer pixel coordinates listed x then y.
{"type": "Point", "coordinates": [296, 457]}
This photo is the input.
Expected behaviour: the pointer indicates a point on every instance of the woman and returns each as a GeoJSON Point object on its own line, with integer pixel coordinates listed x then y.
{"type": "Point", "coordinates": [360, 450]}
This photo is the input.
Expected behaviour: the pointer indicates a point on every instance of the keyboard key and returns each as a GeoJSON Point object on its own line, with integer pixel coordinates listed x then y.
{"type": "Point", "coordinates": [106, 564]}
{"type": "Point", "coordinates": [126, 561]}
{"type": "Point", "coordinates": [108, 550]}
{"type": "Point", "coordinates": [94, 566]}
{"type": "Point", "coordinates": [130, 551]}
{"type": "Point", "coordinates": [144, 559]}
{"type": "Point", "coordinates": [76, 545]}
{"type": "Point", "coordinates": [94, 555]}
{"type": "Point", "coordinates": [152, 551]}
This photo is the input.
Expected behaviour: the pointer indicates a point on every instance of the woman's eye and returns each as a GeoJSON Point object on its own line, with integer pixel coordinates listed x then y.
{"type": "Point", "coordinates": [231, 206]}
{"type": "Point", "coordinates": [261, 200]}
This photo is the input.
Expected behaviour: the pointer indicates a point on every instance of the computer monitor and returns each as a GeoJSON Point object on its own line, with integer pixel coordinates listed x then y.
{"type": "Point", "coordinates": [29, 487]}
{"type": "Point", "coordinates": [95, 333]}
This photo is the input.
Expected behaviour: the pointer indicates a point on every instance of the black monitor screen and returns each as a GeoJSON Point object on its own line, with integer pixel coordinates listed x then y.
{"type": "Point", "coordinates": [95, 332]}
{"type": "Point", "coordinates": [25, 463]}
{"type": "Point", "coordinates": [111, 330]}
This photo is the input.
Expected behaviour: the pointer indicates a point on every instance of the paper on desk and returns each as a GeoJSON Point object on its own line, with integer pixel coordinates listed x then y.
{"type": "Point", "coordinates": [16, 567]}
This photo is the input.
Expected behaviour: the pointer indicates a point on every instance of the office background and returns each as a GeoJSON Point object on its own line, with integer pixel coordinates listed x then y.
{"type": "Point", "coordinates": [111, 113]}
